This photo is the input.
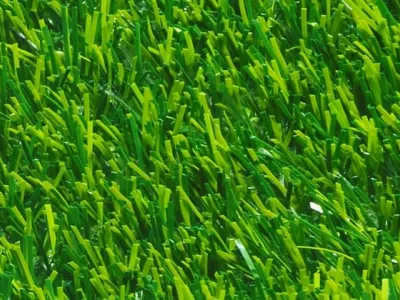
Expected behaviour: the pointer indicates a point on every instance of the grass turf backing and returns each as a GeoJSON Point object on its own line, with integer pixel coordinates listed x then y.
{"type": "Point", "coordinates": [199, 149]}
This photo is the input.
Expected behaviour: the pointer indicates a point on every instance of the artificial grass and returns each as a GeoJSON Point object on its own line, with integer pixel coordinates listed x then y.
{"type": "Point", "coordinates": [198, 149]}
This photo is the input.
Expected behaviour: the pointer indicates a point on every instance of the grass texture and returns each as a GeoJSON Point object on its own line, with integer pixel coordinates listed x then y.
{"type": "Point", "coordinates": [199, 149]}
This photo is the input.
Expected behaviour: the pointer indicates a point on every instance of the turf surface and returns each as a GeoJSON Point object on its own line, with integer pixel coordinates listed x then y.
{"type": "Point", "coordinates": [199, 149]}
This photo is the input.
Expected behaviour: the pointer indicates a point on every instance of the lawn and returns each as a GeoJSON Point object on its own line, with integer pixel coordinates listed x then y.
{"type": "Point", "coordinates": [199, 149]}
